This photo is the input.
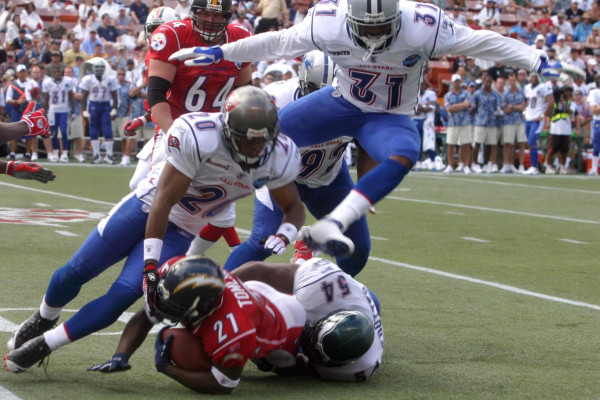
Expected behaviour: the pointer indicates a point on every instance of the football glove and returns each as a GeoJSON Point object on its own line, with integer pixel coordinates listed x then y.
{"type": "Point", "coordinates": [549, 69]}
{"type": "Point", "coordinates": [150, 284]}
{"type": "Point", "coordinates": [326, 235]}
{"type": "Point", "coordinates": [86, 114]}
{"type": "Point", "coordinates": [162, 351]}
{"type": "Point", "coordinates": [118, 363]}
{"type": "Point", "coordinates": [198, 56]}
{"type": "Point", "coordinates": [30, 170]}
{"type": "Point", "coordinates": [133, 125]}
{"type": "Point", "coordinates": [276, 244]}
{"type": "Point", "coordinates": [113, 113]}
{"type": "Point", "coordinates": [36, 121]}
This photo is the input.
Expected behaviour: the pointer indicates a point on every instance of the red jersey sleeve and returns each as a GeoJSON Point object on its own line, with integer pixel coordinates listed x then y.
{"type": "Point", "coordinates": [165, 41]}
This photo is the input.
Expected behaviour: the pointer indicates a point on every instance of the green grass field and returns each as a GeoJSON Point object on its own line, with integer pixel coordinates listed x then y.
{"type": "Point", "coordinates": [489, 287]}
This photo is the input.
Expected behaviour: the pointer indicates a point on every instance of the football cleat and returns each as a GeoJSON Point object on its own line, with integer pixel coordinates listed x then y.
{"type": "Point", "coordinates": [23, 358]}
{"type": "Point", "coordinates": [301, 251]}
{"type": "Point", "coordinates": [532, 171]}
{"type": "Point", "coordinates": [33, 327]}
{"type": "Point", "coordinates": [325, 235]}
{"type": "Point", "coordinates": [97, 159]}
{"type": "Point", "coordinates": [109, 160]}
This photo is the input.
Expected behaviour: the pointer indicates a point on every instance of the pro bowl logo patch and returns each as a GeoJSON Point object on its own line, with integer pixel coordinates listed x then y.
{"type": "Point", "coordinates": [159, 41]}
{"type": "Point", "coordinates": [173, 142]}
{"type": "Point", "coordinates": [40, 123]}
{"type": "Point", "coordinates": [410, 61]}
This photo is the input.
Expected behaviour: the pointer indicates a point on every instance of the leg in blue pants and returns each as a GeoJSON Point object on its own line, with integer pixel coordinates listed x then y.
{"type": "Point", "coordinates": [60, 121]}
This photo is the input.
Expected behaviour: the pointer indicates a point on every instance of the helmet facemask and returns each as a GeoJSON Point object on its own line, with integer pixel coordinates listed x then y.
{"type": "Point", "coordinates": [316, 71]}
{"type": "Point", "coordinates": [99, 70]}
{"type": "Point", "coordinates": [250, 149]}
{"type": "Point", "coordinates": [374, 30]}
{"type": "Point", "coordinates": [210, 19]}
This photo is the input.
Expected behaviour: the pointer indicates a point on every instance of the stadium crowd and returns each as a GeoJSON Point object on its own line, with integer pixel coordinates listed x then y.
{"type": "Point", "coordinates": [36, 39]}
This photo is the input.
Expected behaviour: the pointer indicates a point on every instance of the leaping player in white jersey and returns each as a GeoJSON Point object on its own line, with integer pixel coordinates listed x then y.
{"type": "Point", "coordinates": [213, 159]}
{"type": "Point", "coordinates": [540, 100]}
{"type": "Point", "coordinates": [343, 338]}
{"type": "Point", "coordinates": [381, 47]}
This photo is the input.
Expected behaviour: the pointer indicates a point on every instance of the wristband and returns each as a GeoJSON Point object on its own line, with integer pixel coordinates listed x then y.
{"type": "Point", "coordinates": [143, 119]}
{"type": "Point", "coordinates": [152, 249]}
{"type": "Point", "coordinates": [288, 231]}
{"type": "Point", "coordinates": [223, 379]}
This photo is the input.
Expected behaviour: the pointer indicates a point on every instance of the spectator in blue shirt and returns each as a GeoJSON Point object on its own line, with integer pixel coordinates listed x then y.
{"type": "Point", "coordinates": [485, 105]}
{"type": "Point", "coordinates": [457, 103]}
{"type": "Point", "coordinates": [89, 44]}
{"type": "Point", "coordinates": [107, 32]}
{"type": "Point", "coordinates": [513, 127]}
{"type": "Point", "coordinates": [583, 29]}
{"type": "Point", "coordinates": [138, 11]}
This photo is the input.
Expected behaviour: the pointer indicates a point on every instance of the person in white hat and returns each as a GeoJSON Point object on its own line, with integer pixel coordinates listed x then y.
{"type": "Point", "coordinates": [460, 133]}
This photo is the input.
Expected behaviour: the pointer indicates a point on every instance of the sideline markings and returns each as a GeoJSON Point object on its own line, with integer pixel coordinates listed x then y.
{"type": "Point", "coordinates": [66, 233]}
{"type": "Point", "coordinates": [572, 241]}
{"type": "Point", "coordinates": [488, 283]}
{"type": "Point", "coordinates": [472, 239]}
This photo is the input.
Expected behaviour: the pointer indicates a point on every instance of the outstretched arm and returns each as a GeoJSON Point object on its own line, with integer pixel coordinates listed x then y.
{"type": "Point", "coordinates": [278, 276]}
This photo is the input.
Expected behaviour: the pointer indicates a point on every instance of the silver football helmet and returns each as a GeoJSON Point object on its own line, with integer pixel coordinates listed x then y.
{"type": "Point", "coordinates": [250, 126]}
{"type": "Point", "coordinates": [374, 25]}
{"type": "Point", "coordinates": [157, 17]}
{"type": "Point", "coordinates": [97, 66]}
{"type": "Point", "coordinates": [315, 72]}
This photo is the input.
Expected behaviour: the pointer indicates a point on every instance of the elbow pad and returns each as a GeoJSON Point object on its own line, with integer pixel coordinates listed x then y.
{"type": "Point", "coordinates": [157, 90]}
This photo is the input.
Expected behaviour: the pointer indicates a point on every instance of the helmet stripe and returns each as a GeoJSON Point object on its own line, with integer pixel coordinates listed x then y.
{"type": "Point", "coordinates": [160, 12]}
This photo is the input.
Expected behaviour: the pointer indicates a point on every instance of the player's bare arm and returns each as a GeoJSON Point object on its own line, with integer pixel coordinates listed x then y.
{"type": "Point", "coordinates": [159, 73]}
{"type": "Point", "coordinates": [288, 200]}
{"type": "Point", "coordinates": [203, 381]}
{"type": "Point", "coordinates": [280, 276]}
{"type": "Point", "coordinates": [244, 77]}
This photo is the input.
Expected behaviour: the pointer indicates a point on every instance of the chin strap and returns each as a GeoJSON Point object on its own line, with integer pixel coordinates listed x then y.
{"type": "Point", "coordinates": [370, 53]}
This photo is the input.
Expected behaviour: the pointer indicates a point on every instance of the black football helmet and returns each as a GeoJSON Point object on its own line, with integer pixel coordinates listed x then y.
{"type": "Point", "coordinates": [210, 19]}
{"type": "Point", "coordinates": [339, 338]}
{"type": "Point", "coordinates": [250, 126]}
{"type": "Point", "coordinates": [189, 290]}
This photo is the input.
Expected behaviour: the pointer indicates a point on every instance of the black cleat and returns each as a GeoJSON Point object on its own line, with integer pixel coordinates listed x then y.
{"type": "Point", "coordinates": [25, 356]}
{"type": "Point", "coordinates": [33, 327]}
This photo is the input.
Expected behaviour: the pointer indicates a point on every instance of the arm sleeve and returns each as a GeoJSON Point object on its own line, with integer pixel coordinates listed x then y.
{"type": "Point", "coordinates": [484, 44]}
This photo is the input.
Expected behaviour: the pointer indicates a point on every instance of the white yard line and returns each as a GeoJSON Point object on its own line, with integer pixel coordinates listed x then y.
{"type": "Point", "coordinates": [66, 233]}
{"type": "Point", "coordinates": [572, 241]}
{"type": "Point", "coordinates": [472, 239]}
{"type": "Point", "coordinates": [488, 283]}
{"type": "Point", "coordinates": [69, 196]}
{"type": "Point", "coordinates": [498, 210]}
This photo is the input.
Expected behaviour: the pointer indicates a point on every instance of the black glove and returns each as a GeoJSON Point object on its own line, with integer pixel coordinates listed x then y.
{"type": "Point", "coordinates": [118, 363]}
{"type": "Point", "coordinates": [151, 284]}
{"type": "Point", "coordinates": [162, 350]}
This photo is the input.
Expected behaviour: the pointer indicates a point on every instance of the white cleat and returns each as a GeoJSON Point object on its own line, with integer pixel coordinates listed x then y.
{"type": "Point", "coordinates": [326, 235]}
{"type": "Point", "coordinates": [532, 171]}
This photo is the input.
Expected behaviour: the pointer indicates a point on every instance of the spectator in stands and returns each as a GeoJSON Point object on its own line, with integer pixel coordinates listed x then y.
{"type": "Point", "coordinates": [583, 112]}
{"type": "Point", "coordinates": [517, 30]}
{"type": "Point", "coordinates": [123, 113]}
{"type": "Point", "coordinates": [119, 60]}
{"type": "Point", "coordinates": [107, 32]}
{"type": "Point", "coordinates": [75, 129]}
{"type": "Point", "coordinates": [10, 63]}
{"type": "Point", "coordinates": [90, 43]}
{"type": "Point", "coordinates": [485, 104]}
{"type": "Point", "coordinates": [257, 79]}
{"type": "Point", "coordinates": [563, 24]}
{"type": "Point", "coordinates": [522, 79]}
{"type": "Point", "coordinates": [592, 42]}
{"type": "Point", "coordinates": [475, 25]}
{"type": "Point", "coordinates": [513, 125]}
{"type": "Point", "coordinates": [541, 5]}
{"type": "Point", "coordinates": [137, 94]}
{"type": "Point", "coordinates": [544, 19]}
{"type": "Point", "coordinates": [591, 69]}
{"type": "Point", "coordinates": [26, 54]}
{"type": "Point", "coordinates": [457, 17]}
{"type": "Point", "coordinates": [93, 21]}
{"type": "Point", "coordinates": [457, 103]}
{"type": "Point", "coordinates": [111, 8]}
{"type": "Point", "coordinates": [299, 10]}
{"type": "Point", "coordinates": [6, 13]}
{"type": "Point", "coordinates": [240, 19]}
{"type": "Point", "coordinates": [18, 43]}
{"type": "Point", "coordinates": [583, 29]}
{"type": "Point", "coordinates": [551, 52]}
{"type": "Point", "coordinates": [54, 63]}
{"type": "Point", "coordinates": [133, 73]}
{"type": "Point", "coordinates": [81, 29]}
{"type": "Point", "coordinates": [122, 21]}
{"type": "Point", "coordinates": [563, 51]}
{"type": "Point", "coordinates": [499, 70]}
{"type": "Point", "coordinates": [67, 43]}
{"type": "Point", "coordinates": [57, 29]}
{"type": "Point", "coordinates": [574, 14]}
{"type": "Point", "coordinates": [271, 12]}
{"type": "Point", "coordinates": [183, 9]}
{"type": "Point", "coordinates": [129, 37]}
{"type": "Point", "coordinates": [139, 12]}
{"type": "Point", "coordinates": [575, 59]}
{"type": "Point", "coordinates": [531, 33]}
{"type": "Point", "coordinates": [78, 69]}
{"type": "Point", "coordinates": [13, 26]}
{"type": "Point", "coordinates": [489, 13]}
{"type": "Point", "coordinates": [552, 37]}
{"type": "Point", "coordinates": [46, 57]}
{"type": "Point", "coordinates": [85, 7]}
{"type": "Point", "coordinates": [31, 20]}
{"type": "Point", "coordinates": [18, 95]}
{"type": "Point", "coordinates": [540, 43]}
{"type": "Point", "coordinates": [99, 52]}
{"type": "Point", "coordinates": [424, 120]}
{"type": "Point", "coordinates": [521, 7]}
{"type": "Point", "coordinates": [473, 72]}
{"type": "Point", "coordinates": [71, 54]}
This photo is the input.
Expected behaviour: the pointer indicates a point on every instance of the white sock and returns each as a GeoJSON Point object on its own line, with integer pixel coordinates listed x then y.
{"type": "Point", "coordinates": [95, 146]}
{"type": "Point", "coordinates": [232, 248]}
{"type": "Point", "coordinates": [199, 247]}
{"type": "Point", "coordinates": [57, 337]}
{"type": "Point", "coordinates": [109, 147]}
{"type": "Point", "coordinates": [65, 154]}
{"type": "Point", "coordinates": [48, 312]}
{"type": "Point", "coordinates": [595, 163]}
{"type": "Point", "coordinates": [354, 206]}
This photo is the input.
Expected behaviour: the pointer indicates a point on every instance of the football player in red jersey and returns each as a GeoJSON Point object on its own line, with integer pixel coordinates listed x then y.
{"type": "Point", "coordinates": [175, 89]}
{"type": "Point", "coordinates": [236, 322]}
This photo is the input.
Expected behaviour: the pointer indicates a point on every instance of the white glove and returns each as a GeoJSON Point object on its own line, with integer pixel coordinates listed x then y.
{"type": "Point", "coordinates": [113, 113]}
{"type": "Point", "coordinates": [198, 56]}
{"type": "Point", "coordinates": [277, 244]}
{"type": "Point", "coordinates": [86, 114]}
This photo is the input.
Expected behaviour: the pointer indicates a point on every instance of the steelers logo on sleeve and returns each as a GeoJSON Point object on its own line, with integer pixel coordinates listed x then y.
{"type": "Point", "coordinates": [159, 41]}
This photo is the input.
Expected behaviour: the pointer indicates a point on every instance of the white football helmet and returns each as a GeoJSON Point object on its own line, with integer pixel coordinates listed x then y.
{"type": "Point", "coordinates": [97, 66]}
{"type": "Point", "coordinates": [315, 72]}
{"type": "Point", "coordinates": [374, 25]}
{"type": "Point", "coordinates": [157, 17]}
